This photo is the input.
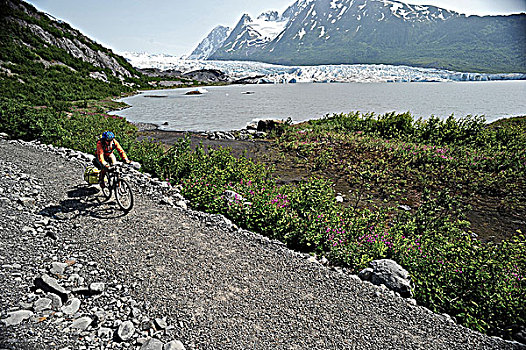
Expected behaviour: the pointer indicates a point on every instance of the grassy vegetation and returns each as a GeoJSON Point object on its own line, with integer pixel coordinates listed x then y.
{"type": "Point", "coordinates": [400, 157]}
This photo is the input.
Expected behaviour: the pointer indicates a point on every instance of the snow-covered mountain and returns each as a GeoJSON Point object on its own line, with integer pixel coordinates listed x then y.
{"type": "Point", "coordinates": [378, 31]}
{"type": "Point", "coordinates": [269, 73]}
{"type": "Point", "coordinates": [249, 34]}
{"type": "Point", "coordinates": [211, 43]}
{"type": "Point", "coordinates": [309, 23]}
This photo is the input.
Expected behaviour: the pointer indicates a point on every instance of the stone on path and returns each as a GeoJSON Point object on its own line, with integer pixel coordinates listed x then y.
{"type": "Point", "coordinates": [56, 302]}
{"type": "Point", "coordinates": [160, 323]}
{"type": "Point", "coordinates": [17, 317]}
{"type": "Point", "coordinates": [96, 288]}
{"type": "Point", "coordinates": [49, 284]}
{"type": "Point", "coordinates": [27, 201]}
{"type": "Point", "coordinates": [72, 307]}
{"type": "Point", "coordinates": [58, 268]}
{"type": "Point", "coordinates": [42, 304]}
{"type": "Point", "coordinates": [182, 204]}
{"type": "Point", "coordinates": [152, 344]}
{"type": "Point", "coordinates": [125, 331]}
{"type": "Point", "coordinates": [82, 323]}
{"type": "Point", "coordinates": [174, 345]}
{"type": "Point", "coordinates": [104, 333]}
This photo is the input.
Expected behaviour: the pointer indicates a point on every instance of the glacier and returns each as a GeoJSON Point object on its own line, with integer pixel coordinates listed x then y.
{"type": "Point", "coordinates": [264, 73]}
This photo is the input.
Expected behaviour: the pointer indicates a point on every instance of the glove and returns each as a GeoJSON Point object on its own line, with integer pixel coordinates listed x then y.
{"type": "Point", "coordinates": [135, 165]}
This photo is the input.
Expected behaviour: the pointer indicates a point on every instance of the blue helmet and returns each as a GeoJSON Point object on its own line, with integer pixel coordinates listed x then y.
{"type": "Point", "coordinates": [108, 135]}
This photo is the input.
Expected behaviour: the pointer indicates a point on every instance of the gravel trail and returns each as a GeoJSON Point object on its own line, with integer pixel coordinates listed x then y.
{"type": "Point", "coordinates": [178, 276]}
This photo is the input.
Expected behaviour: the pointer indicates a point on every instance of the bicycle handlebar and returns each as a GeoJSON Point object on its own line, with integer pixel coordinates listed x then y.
{"type": "Point", "coordinates": [117, 165]}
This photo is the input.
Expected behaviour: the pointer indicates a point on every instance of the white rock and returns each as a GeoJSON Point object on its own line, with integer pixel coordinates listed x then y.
{"type": "Point", "coordinates": [82, 323]}
{"type": "Point", "coordinates": [42, 304]}
{"type": "Point", "coordinates": [17, 317]}
{"type": "Point", "coordinates": [126, 330]}
{"type": "Point", "coordinates": [174, 345]}
{"type": "Point", "coordinates": [72, 307]}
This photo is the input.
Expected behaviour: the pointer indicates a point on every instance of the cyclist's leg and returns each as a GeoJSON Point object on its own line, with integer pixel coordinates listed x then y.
{"type": "Point", "coordinates": [111, 159]}
{"type": "Point", "coordinates": [102, 169]}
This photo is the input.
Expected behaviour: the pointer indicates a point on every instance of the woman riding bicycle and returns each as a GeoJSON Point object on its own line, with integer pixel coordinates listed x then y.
{"type": "Point", "coordinates": [104, 156]}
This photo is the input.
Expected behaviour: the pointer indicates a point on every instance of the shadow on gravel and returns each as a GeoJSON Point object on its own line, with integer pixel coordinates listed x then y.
{"type": "Point", "coordinates": [84, 201]}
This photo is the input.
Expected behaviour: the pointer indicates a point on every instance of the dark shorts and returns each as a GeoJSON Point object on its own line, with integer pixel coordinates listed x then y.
{"type": "Point", "coordinates": [111, 159]}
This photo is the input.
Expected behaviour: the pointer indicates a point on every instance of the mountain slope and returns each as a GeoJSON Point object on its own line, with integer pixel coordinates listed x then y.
{"type": "Point", "coordinates": [43, 60]}
{"type": "Point", "coordinates": [389, 32]}
{"type": "Point", "coordinates": [211, 43]}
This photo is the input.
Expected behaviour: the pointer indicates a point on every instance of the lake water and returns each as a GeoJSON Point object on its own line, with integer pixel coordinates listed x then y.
{"type": "Point", "coordinates": [230, 107]}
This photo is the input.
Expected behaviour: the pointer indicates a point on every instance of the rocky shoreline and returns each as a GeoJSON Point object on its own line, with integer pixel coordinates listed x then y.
{"type": "Point", "coordinates": [254, 130]}
{"type": "Point", "coordinates": [78, 274]}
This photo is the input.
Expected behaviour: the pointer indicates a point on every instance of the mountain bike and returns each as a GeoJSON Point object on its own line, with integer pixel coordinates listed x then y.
{"type": "Point", "coordinates": [115, 184]}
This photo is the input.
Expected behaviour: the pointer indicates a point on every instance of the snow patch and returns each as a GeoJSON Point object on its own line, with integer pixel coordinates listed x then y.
{"type": "Point", "coordinates": [344, 9]}
{"type": "Point", "coordinates": [301, 33]}
{"type": "Point", "coordinates": [362, 6]}
{"type": "Point", "coordinates": [268, 30]}
{"type": "Point", "coordinates": [322, 31]}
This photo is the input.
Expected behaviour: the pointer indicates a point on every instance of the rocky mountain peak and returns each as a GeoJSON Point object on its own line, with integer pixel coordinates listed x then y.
{"type": "Point", "coordinates": [211, 43]}
{"type": "Point", "coordinates": [269, 16]}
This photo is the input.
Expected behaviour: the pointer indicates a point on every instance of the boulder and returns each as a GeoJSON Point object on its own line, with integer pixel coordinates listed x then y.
{"type": "Point", "coordinates": [174, 345]}
{"type": "Point", "coordinates": [388, 273]}
{"type": "Point", "coordinates": [72, 307]}
{"type": "Point", "coordinates": [269, 125]}
{"type": "Point", "coordinates": [82, 323]}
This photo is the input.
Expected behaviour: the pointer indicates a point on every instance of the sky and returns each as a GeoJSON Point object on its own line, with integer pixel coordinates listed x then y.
{"type": "Point", "coordinates": [175, 27]}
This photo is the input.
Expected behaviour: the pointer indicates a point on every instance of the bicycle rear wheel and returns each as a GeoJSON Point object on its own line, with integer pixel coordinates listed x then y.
{"type": "Point", "coordinates": [124, 195]}
{"type": "Point", "coordinates": [106, 188]}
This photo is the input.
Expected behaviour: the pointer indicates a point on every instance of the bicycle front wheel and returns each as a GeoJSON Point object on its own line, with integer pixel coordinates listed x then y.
{"type": "Point", "coordinates": [124, 195]}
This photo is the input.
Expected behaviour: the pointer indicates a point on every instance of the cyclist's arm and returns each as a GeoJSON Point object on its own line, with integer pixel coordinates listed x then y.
{"type": "Point", "coordinates": [121, 152]}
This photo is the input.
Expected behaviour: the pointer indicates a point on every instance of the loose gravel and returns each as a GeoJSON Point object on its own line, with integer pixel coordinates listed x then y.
{"type": "Point", "coordinates": [78, 273]}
